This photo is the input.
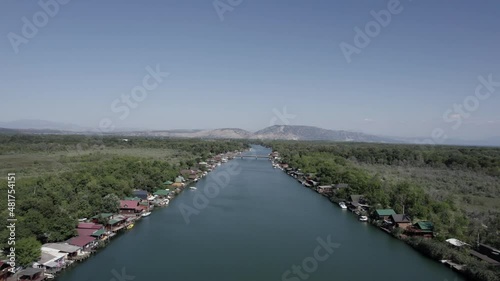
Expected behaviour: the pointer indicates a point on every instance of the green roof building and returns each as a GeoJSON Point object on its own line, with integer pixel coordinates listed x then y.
{"type": "Point", "coordinates": [102, 216]}
{"type": "Point", "coordinates": [425, 226]}
{"type": "Point", "coordinates": [162, 192]}
{"type": "Point", "coordinates": [98, 233]}
{"type": "Point", "coordinates": [384, 213]}
{"type": "Point", "coordinates": [114, 221]}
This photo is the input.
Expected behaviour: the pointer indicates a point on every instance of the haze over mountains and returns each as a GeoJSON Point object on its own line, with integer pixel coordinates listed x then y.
{"type": "Point", "coordinates": [277, 132]}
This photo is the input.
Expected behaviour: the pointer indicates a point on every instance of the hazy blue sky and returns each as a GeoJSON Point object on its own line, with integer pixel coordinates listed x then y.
{"type": "Point", "coordinates": [261, 57]}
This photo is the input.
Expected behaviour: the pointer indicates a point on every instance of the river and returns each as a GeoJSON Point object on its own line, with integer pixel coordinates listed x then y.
{"type": "Point", "coordinates": [257, 223]}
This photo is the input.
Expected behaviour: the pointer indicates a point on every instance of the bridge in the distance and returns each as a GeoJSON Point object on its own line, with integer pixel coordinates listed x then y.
{"type": "Point", "coordinates": [252, 156]}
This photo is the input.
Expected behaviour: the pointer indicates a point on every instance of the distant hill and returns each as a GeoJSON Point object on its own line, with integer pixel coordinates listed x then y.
{"type": "Point", "coordinates": [315, 133]}
{"type": "Point", "coordinates": [273, 132]}
{"type": "Point", "coordinates": [32, 124]}
{"type": "Point", "coordinates": [277, 132]}
{"type": "Point", "coordinates": [8, 131]}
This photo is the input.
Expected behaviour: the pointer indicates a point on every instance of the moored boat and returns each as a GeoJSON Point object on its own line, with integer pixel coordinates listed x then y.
{"type": "Point", "coordinates": [363, 218]}
{"type": "Point", "coordinates": [342, 205]}
{"type": "Point", "coordinates": [146, 214]}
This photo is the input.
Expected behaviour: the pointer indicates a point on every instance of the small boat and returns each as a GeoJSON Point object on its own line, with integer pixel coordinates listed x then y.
{"type": "Point", "coordinates": [130, 226]}
{"type": "Point", "coordinates": [193, 187]}
{"type": "Point", "coordinates": [363, 218]}
{"type": "Point", "coordinates": [342, 205]}
{"type": "Point", "coordinates": [146, 214]}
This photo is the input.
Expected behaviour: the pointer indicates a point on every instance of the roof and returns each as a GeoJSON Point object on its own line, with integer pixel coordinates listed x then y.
{"type": "Point", "coordinates": [489, 247]}
{"type": "Point", "coordinates": [89, 225]}
{"type": "Point", "coordinates": [456, 242]}
{"type": "Point", "coordinates": [128, 204]}
{"type": "Point", "coordinates": [425, 225]}
{"type": "Point", "coordinates": [62, 247]}
{"type": "Point", "coordinates": [46, 257]}
{"type": "Point", "coordinates": [81, 241]}
{"type": "Point", "coordinates": [325, 186]}
{"type": "Point", "coordinates": [398, 218]}
{"type": "Point", "coordinates": [341, 185]}
{"type": "Point", "coordinates": [2, 263]}
{"type": "Point", "coordinates": [142, 194]}
{"type": "Point", "coordinates": [162, 192]}
{"type": "Point", "coordinates": [102, 216]}
{"type": "Point", "coordinates": [30, 271]}
{"type": "Point", "coordinates": [98, 233]}
{"type": "Point", "coordinates": [132, 198]}
{"type": "Point", "coordinates": [139, 192]}
{"type": "Point", "coordinates": [114, 221]}
{"type": "Point", "coordinates": [85, 232]}
{"type": "Point", "coordinates": [168, 183]}
{"type": "Point", "coordinates": [484, 257]}
{"type": "Point", "coordinates": [385, 212]}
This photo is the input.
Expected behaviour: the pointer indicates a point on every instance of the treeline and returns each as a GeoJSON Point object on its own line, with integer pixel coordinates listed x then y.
{"type": "Point", "coordinates": [49, 206]}
{"type": "Point", "coordinates": [20, 143]}
{"type": "Point", "coordinates": [483, 159]}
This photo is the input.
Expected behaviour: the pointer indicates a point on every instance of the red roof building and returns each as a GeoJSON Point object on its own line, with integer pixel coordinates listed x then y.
{"type": "Point", "coordinates": [129, 207]}
{"type": "Point", "coordinates": [89, 225]}
{"type": "Point", "coordinates": [81, 241]}
{"type": "Point", "coordinates": [85, 232]}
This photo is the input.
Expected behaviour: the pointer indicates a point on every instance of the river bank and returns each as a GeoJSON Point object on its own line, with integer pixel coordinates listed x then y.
{"type": "Point", "coordinates": [417, 234]}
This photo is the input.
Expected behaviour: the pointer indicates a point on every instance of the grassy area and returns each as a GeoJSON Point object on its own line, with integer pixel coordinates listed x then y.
{"type": "Point", "coordinates": [474, 191]}
{"type": "Point", "coordinates": [40, 163]}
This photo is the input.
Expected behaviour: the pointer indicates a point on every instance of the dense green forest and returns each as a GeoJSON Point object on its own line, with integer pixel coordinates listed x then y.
{"type": "Point", "coordinates": [397, 176]}
{"type": "Point", "coordinates": [50, 201]}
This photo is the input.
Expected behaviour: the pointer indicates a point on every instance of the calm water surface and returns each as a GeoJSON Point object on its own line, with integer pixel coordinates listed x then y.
{"type": "Point", "coordinates": [260, 225]}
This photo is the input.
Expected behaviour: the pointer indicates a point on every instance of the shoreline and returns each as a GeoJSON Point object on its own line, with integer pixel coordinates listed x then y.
{"type": "Point", "coordinates": [412, 242]}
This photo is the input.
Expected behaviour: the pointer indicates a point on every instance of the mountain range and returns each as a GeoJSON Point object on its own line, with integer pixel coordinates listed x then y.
{"type": "Point", "coordinates": [276, 132]}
